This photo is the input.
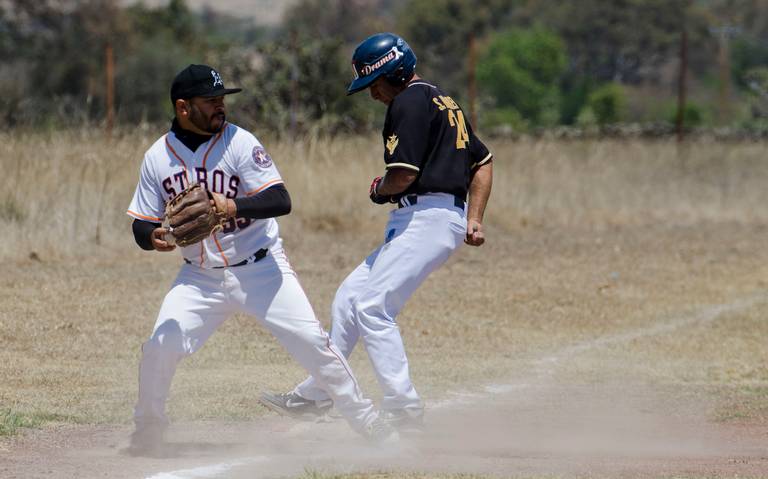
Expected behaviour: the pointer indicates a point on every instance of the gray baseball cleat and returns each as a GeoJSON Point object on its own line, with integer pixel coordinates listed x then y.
{"type": "Point", "coordinates": [404, 419]}
{"type": "Point", "coordinates": [292, 405]}
{"type": "Point", "coordinates": [380, 432]}
{"type": "Point", "coordinates": [148, 440]}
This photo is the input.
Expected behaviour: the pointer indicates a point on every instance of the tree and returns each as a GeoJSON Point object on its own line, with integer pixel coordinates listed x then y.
{"type": "Point", "coordinates": [521, 69]}
{"type": "Point", "coordinates": [621, 40]}
{"type": "Point", "coordinates": [58, 47]}
{"type": "Point", "coordinates": [347, 21]}
{"type": "Point", "coordinates": [298, 82]}
{"type": "Point", "coordinates": [439, 32]}
{"type": "Point", "coordinates": [53, 61]}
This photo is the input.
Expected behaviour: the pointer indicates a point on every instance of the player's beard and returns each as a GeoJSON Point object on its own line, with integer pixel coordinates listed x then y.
{"type": "Point", "coordinates": [211, 125]}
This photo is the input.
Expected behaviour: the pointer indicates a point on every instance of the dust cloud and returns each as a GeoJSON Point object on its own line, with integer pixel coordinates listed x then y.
{"type": "Point", "coordinates": [599, 430]}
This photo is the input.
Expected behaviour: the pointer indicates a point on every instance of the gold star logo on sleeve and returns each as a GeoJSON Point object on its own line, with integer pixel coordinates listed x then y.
{"type": "Point", "coordinates": [392, 142]}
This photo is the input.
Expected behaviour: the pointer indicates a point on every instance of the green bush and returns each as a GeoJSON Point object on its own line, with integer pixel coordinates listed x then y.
{"type": "Point", "coordinates": [608, 103]}
{"type": "Point", "coordinates": [586, 118]}
{"type": "Point", "coordinates": [694, 115]}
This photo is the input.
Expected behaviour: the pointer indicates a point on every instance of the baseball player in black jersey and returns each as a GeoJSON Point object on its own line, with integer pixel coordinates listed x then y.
{"type": "Point", "coordinates": [434, 161]}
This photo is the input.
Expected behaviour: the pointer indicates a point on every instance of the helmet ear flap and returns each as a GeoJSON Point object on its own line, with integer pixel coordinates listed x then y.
{"type": "Point", "coordinates": [398, 77]}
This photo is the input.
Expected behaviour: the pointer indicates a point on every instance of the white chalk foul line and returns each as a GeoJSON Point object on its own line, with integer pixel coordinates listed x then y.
{"type": "Point", "coordinates": [702, 316]}
{"type": "Point", "coordinates": [545, 365]}
{"type": "Point", "coordinates": [211, 471]}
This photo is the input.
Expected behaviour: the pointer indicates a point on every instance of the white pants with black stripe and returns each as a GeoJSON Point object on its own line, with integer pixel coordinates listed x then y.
{"type": "Point", "coordinates": [200, 300]}
{"type": "Point", "coordinates": [418, 239]}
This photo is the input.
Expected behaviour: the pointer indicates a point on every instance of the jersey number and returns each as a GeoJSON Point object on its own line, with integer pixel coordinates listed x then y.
{"type": "Point", "coordinates": [233, 223]}
{"type": "Point", "coordinates": [455, 118]}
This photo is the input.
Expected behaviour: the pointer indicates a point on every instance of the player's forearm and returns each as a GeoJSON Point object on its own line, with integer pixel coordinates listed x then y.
{"type": "Point", "coordinates": [480, 191]}
{"type": "Point", "coordinates": [270, 203]}
{"type": "Point", "coordinates": [396, 181]}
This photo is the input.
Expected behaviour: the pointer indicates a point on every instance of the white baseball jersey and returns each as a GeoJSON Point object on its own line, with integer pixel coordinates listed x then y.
{"type": "Point", "coordinates": [234, 163]}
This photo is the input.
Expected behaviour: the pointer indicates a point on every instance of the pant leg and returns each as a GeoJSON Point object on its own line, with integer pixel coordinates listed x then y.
{"type": "Point", "coordinates": [270, 291]}
{"type": "Point", "coordinates": [422, 239]}
{"type": "Point", "coordinates": [191, 311]}
{"type": "Point", "coordinates": [344, 330]}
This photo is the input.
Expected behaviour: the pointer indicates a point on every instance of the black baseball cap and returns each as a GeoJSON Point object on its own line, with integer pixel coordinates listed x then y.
{"type": "Point", "coordinates": [199, 80]}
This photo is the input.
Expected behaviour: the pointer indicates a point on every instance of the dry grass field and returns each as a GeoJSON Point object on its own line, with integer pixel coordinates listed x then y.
{"type": "Point", "coordinates": [612, 326]}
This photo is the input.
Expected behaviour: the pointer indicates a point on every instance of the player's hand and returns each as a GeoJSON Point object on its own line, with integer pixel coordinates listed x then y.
{"type": "Point", "coordinates": [159, 242]}
{"type": "Point", "coordinates": [475, 235]}
{"type": "Point", "coordinates": [373, 193]}
{"type": "Point", "coordinates": [224, 204]}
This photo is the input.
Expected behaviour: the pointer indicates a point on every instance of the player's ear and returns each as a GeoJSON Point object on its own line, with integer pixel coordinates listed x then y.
{"type": "Point", "coordinates": [182, 107]}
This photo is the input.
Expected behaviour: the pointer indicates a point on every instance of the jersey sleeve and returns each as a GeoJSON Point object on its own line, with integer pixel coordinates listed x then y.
{"type": "Point", "coordinates": [407, 137]}
{"type": "Point", "coordinates": [478, 152]}
{"type": "Point", "coordinates": [254, 165]}
{"type": "Point", "coordinates": [147, 203]}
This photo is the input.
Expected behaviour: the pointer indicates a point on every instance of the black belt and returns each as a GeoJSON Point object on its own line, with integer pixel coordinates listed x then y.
{"type": "Point", "coordinates": [410, 200]}
{"type": "Point", "coordinates": [257, 256]}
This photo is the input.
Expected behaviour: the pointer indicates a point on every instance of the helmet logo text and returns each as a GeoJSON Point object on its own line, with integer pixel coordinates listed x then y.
{"type": "Point", "coordinates": [393, 54]}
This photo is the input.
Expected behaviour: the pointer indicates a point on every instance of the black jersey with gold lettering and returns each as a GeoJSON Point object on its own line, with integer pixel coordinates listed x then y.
{"type": "Point", "coordinates": [426, 131]}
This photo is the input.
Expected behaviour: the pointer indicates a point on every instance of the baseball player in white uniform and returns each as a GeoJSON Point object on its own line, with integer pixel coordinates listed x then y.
{"type": "Point", "coordinates": [242, 268]}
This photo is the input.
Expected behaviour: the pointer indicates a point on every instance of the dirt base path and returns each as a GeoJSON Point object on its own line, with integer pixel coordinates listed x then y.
{"type": "Point", "coordinates": [525, 430]}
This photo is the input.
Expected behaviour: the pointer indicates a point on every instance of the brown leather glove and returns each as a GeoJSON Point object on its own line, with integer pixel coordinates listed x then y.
{"type": "Point", "coordinates": [194, 214]}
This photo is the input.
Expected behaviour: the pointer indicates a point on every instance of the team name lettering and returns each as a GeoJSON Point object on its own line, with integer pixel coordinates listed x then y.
{"type": "Point", "coordinates": [168, 188]}
{"type": "Point", "coordinates": [181, 180]}
{"type": "Point", "coordinates": [234, 183]}
{"type": "Point", "coordinates": [391, 55]}
{"type": "Point", "coordinates": [214, 181]}
{"type": "Point", "coordinates": [217, 185]}
{"type": "Point", "coordinates": [202, 177]}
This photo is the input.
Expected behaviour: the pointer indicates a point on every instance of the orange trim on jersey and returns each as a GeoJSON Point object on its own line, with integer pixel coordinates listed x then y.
{"type": "Point", "coordinates": [150, 218]}
{"type": "Point", "coordinates": [263, 187]}
{"type": "Point", "coordinates": [221, 251]}
{"type": "Point", "coordinates": [168, 144]}
{"type": "Point", "coordinates": [213, 143]}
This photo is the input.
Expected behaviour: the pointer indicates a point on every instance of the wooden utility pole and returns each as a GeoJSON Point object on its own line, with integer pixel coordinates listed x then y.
{"type": "Point", "coordinates": [110, 76]}
{"type": "Point", "coordinates": [681, 86]}
{"type": "Point", "coordinates": [471, 79]}
{"type": "Point", "coordinates": [294, 108]}
{"type": "Point", "coordinates": [724, 34]}
{"type": "Point", "coordinates": [724, 61]}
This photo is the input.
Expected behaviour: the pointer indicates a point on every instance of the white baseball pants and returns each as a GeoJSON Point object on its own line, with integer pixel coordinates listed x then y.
{"type": "Point", "coordinates": [419, 239]}
{"type": "Point", "coordinates": [200, 300]}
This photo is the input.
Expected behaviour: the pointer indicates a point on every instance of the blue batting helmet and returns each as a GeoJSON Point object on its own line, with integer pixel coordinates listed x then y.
{"type": "Point", "coordinates": [382, 54]}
